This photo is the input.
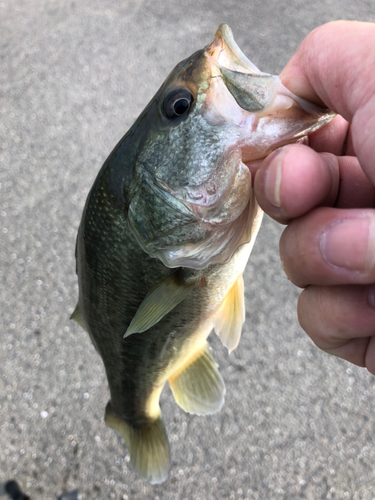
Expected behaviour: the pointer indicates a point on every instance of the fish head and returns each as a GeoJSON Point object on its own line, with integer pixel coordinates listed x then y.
{"type": "Point", "coordinates": [191, 201]}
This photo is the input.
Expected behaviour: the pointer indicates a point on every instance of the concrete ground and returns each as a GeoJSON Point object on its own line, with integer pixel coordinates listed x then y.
{"type": "Point", "coordinates": [297, 423]}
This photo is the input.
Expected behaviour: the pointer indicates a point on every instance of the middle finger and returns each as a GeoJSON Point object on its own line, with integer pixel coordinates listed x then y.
{"type": "Point", "coordinates": [330, 246]}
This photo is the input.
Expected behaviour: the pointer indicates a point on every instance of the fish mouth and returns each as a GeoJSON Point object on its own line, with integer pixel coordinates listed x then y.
{"type": "Point", "coordinates": [267, 112]}
{"type": "Point", "coordinates": [225, 51]}
{"type": "Point", "coordinates": [265, 116]}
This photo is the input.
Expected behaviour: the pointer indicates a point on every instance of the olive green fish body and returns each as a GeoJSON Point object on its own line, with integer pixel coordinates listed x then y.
{"type": "Point", "coordinates": [110, 296]}
{"type": "Point", "coordinates": [166, 233]}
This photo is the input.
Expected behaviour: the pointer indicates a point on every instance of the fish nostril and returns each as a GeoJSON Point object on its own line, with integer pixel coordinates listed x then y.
{"type": "Point", "coordinates": [195, 196]}
{"type": "Point", "coordinates": [211, 189]}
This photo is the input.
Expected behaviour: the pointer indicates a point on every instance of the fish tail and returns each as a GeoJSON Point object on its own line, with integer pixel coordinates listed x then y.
{"type": "Point", "coordinates": [148, 446]}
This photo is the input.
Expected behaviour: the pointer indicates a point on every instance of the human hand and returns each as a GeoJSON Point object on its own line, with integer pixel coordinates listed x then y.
{"type": "Point", "coordinates": [326, 194]}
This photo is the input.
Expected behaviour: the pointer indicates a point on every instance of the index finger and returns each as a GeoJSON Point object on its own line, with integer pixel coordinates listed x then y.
{"type": "Point", "coordinates": [334, 66]}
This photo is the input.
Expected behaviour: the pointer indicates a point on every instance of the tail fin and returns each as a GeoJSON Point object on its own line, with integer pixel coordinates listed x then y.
{"type": "Point", "coordinates": [148, 446]}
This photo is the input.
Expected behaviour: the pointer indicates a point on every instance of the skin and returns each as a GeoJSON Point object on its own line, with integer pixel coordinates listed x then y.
{"type": "Point", "coordinates": [325, 193]}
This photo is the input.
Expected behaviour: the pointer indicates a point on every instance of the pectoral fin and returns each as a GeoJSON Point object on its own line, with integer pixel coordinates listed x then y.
{"type": "Point", "coordinates": [158, 303]}
{"type": "Point", "coordinates": [231, 316]}
{"type": "Point", "coordinates": [198, 387]}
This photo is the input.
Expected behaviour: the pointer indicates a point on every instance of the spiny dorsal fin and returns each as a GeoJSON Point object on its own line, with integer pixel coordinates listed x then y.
{"type": "Point", "coordinates": [77, 317]}
{"type": "Point", "coordinates": [148, 446]}
{"type": "Point", "coordinates": [158, 303]}
{"type": "Point", "coordinates": [198, 387]}
{"type": "Point", "coordinates": [231, 316]}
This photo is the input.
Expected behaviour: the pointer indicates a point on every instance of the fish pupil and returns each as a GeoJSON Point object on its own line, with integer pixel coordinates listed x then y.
{"type": "Point", "coordinates": [181, 106]}
{"type": "Point", "coordinates": [177, 103]}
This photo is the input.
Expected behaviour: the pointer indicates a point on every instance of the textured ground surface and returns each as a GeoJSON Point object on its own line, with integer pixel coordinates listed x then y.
{"type": "Point", "coordinates": [297, 424]}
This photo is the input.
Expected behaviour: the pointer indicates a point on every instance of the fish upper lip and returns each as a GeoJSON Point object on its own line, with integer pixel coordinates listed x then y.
{"type": "Point", "coordinates": [241, 76]}
{"type": "Point", "coordinates": [225, 52]}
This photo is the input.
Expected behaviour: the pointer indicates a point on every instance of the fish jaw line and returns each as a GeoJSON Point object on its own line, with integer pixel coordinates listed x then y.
{"type": "Point", "coordinates": [217, 247]}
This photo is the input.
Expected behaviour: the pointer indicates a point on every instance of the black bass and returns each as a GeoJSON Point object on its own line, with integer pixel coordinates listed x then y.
{"type": "Point", "coordinates": [167, 231]}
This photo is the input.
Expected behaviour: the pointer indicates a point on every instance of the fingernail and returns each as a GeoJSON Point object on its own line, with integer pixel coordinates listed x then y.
{"type": "Point", "coordinates": [273, 177]}
{"type": "Point", "coordinates": [371, 295]}
{"type": "Point", "coordinates": [350, 244]}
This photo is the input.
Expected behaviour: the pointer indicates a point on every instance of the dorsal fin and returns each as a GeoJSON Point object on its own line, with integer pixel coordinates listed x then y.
{"type": "Point", "coordinates": [77, 317]}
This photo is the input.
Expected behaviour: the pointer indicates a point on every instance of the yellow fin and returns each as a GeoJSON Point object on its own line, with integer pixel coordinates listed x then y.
{"type": "Point", "coordinates": [158, 303]}
{"type": "Point", "coordinates": [231, 316]}
{"type": "Point", "coordinates": [77, 317]}
{"type": "Point", "coordinates": [148, 446]}
{"type": "Point", "coordinates": [198, 387]}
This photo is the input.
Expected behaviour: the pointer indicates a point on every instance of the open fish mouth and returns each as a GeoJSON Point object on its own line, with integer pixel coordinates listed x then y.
{"type": "Point", "coordinates": [267, 112]}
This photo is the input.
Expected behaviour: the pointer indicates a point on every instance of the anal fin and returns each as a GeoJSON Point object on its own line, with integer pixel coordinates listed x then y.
{"type": "Point", "coordinates": [231, 316]}
{"type": "Point", "coordinates": [148, 446]}
{"type": "Point", "coordinates": [198, 387]}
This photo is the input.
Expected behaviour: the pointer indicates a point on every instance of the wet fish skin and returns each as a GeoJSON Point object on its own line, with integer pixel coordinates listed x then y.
{"type": "Point", "coordinates": [171, 219]}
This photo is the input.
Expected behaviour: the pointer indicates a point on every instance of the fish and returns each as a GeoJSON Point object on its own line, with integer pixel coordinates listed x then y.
{"type": "Point", "coordinates": [166, 232]}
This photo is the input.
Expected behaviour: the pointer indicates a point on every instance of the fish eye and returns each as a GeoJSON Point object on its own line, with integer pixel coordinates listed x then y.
{"type": "Point", "coordinates": [177, 103]}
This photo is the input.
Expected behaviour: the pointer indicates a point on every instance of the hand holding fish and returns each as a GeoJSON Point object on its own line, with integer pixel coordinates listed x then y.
{"type": "Point", "coordinates": [326, 194]}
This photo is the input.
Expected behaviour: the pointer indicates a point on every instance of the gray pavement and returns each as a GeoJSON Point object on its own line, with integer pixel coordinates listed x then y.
{"type": "Point", "coordinates": [297, 423]}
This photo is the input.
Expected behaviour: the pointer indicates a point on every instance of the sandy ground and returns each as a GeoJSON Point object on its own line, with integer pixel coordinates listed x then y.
{"type": "Point", "coordinates": [297, 423]}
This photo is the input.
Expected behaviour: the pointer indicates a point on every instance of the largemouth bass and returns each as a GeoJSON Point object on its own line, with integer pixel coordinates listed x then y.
{"type": "Point", "coordinates": [166, 233]}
